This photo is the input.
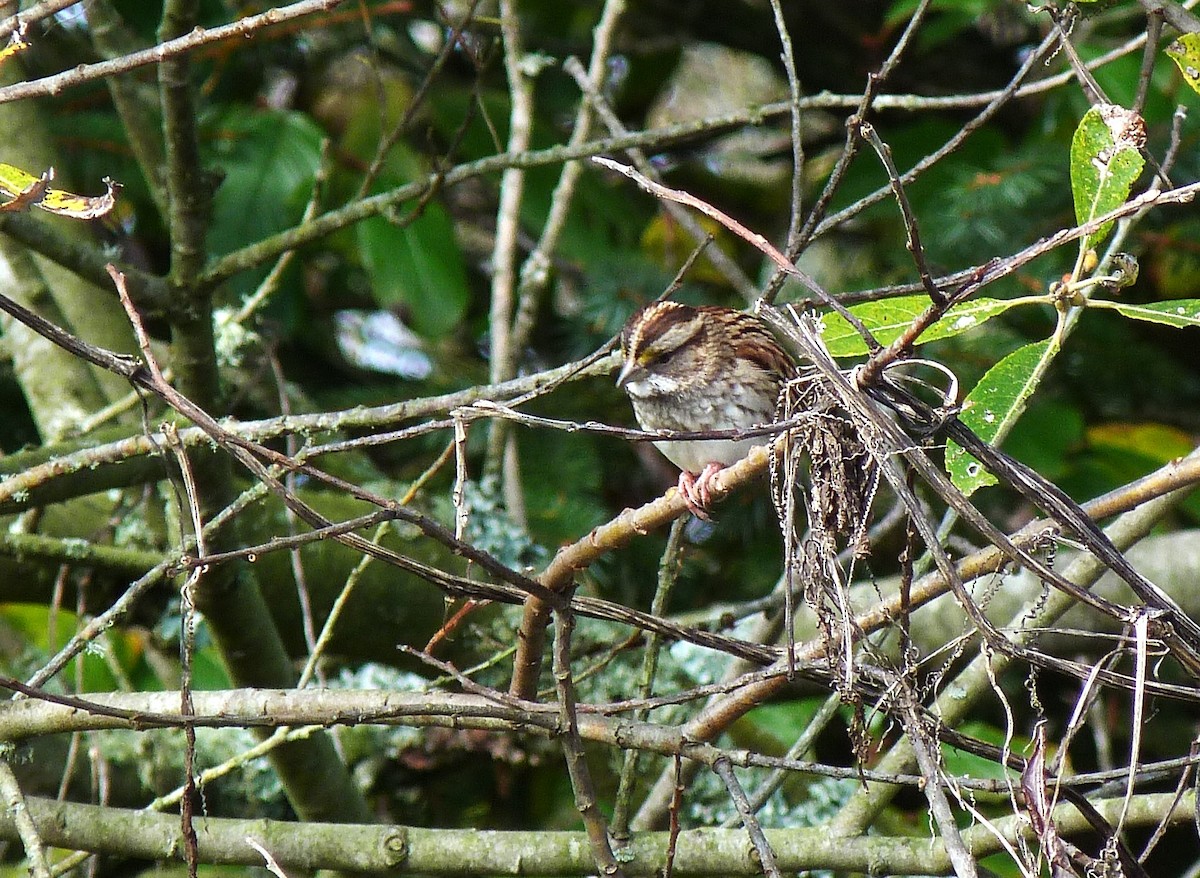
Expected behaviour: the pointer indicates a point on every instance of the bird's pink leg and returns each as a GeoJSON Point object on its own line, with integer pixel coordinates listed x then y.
{"type": "Point", "coordinates": [697, 493]}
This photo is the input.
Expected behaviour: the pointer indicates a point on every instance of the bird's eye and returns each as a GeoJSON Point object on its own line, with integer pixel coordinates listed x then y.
{"type": "Point", "coordinates": [661, 357]}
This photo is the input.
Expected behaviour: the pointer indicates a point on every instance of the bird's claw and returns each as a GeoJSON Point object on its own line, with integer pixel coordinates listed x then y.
{"type": "Point", "coordinates": [697, 490]}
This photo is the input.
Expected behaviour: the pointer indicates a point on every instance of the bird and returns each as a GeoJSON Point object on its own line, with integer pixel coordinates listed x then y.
{"type": "Point", "coordinates": [699, 368]}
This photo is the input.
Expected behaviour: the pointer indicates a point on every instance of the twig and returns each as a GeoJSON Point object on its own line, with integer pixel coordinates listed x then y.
{"type": "Point", "coordinates": [1137, 719]}
{"type": "Point", "coordinates": [1063, 20]}
{"type": "Point", "coordinates": [913, 235]}
{"type": "Point", "coordinates": [1175, 15]}
{"type": "Point", "coordinates": [295, 558]}
{"type": "Point", "coordinates": [534, 275]}
{"type": "Point", "coordinates": [787, 54]}
{"type": "Point", "coordinates": [998, 100]}
{"type": "Point", "coordinates": [1181, 788]}
{"type": "Point", "coordinates": [187, 652]}
{"type": "Point", "coordinates": [1154, 24]}
{"type": "Point", "coordinates": [512, 190]}
{"type": "Point", "coordinates": [581, 778]}
{"type": "Point", "coordinates": [171, 48]}
{"type": "Point", "coordinates": [723, 768]}
{"type": "Point", "coordinates": [272, 866]}
{"type": "Point", "coordinates": [674, 809]}
{"type": "Point", "coordinates": [14, 804]}
{"type": "Point", "coordinates": [827, 712]}
{"type": "Point", "coordinates": [335, 612]}
{"type": "Point", "coordinates": [451, 625]}
{"type": "Point", "coordinates": [870, 92]}
{"type": "Point", "coordinates": [939, 806]}
{"type": "Point", "coordinates": [668, 571]}
{"type": "Point", "coordinates": [1172, 153]}
{"type": "Point", "coordinates": [717, 257]}
{"type": "Point", "coordinates": [37, 12]}
{"type": "Point", "coordinates": [450, 44]}
{"type": "Point", "coordinates": [289, 542]}
{"type": "Point", "coordinates": [187, 619]}
{"type": "Point", "coordinates": [760, 242]}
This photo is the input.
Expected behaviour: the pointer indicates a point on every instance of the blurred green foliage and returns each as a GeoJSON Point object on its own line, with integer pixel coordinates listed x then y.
{"type": "Point", "coordinates": [297, 115]}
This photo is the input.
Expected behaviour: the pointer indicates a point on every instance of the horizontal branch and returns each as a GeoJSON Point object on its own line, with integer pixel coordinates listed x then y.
{"type": "Point", "coordinates": [243, 27]}
{"type": "Point", "coordinates": [75, 551]}
{"type": "Point", "coordinates": [43, 713]}
{"type": "Point", "coordinates": [53, 473]}
{"type": "Point", "coordinates": [378, 849]}
{"type": "Point", "coordinates": [85, 259]}
{"type": "Point", "coordinates": [49, 86]}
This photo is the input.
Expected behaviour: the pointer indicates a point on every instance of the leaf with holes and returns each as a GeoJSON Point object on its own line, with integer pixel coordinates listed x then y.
{"type": "Point", "coordinates": [991, 409]}
{"type": "Point", "coordinates": [888, 318]}
{"type": "Point", "coordinates": [1185, 52]}
{"type": "Point", "coordinates": [1106, 160]}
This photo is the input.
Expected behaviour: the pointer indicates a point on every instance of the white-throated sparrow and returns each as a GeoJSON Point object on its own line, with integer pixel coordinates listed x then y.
{"type": "Point", "coordinates": [701, 368]}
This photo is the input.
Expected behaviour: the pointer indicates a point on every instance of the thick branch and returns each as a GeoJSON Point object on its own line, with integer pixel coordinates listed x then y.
{"type": "Point", "coordinates": [384, 849]}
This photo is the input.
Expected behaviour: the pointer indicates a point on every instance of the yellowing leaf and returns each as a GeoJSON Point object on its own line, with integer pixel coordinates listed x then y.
{"type": "Point", "coordinates": [665, 242]}
{"type": "Point", "coordinates": [1153, 441]}
{"type": "Point", "coordinates": [16, 43]}
{"type": "Point", "coordinates": [23, 190]}
{"type": "Point", "coordinates": [81, 206]}
{"type": "Point", "coordinates": [1185, 52]}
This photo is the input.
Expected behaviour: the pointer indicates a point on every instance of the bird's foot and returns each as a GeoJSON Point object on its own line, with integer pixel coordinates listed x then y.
{"type": "Point", "coordinates": [697, 491]}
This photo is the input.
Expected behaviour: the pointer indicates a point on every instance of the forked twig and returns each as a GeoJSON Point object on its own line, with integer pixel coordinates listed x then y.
{"type": "Point", "coordinates": [764, 246]}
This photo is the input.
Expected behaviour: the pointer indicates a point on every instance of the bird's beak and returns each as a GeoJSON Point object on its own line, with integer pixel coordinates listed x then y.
{"type": "Point", "coordinates": [627, 370]}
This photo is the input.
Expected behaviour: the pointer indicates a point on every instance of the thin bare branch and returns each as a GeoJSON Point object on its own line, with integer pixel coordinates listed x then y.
{"type": "Point", "coordinates": [172, 48]}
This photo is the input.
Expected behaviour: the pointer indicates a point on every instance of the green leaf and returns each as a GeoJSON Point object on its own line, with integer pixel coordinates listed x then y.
{"type": "Point", "coordinates": [991, 408]}
{"type": "Point", "coordinates": [1177, 313]}
{"type": "Point", "coordinates": [888, 318]}
{"type": "Point", "coordinates": [1185, 52]}
{"type": "Point", "coordinates": [1105, 162]}
{"type": "Point", "coordinates": [269, 159]}
{"type": "Point", "coordinates": [775, 727]}
{"type": "Point", "coordinates": [1047, 436]}
{"type": "Point", "coordinates": [418, 267]}
{"type": "Point", "coordinates": [963, 763]}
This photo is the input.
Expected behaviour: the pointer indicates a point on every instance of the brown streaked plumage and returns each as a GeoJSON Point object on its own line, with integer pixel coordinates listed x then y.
{"type": "Point", "coordinates": [701, 368]}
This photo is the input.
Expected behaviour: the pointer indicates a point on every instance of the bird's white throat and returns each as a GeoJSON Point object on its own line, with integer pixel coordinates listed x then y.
{"type": "Point", "coordinates": [652, 384]}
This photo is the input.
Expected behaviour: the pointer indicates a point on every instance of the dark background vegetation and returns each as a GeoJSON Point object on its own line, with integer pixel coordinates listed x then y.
{"type": "Point", "coordinates": [293, 116]}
